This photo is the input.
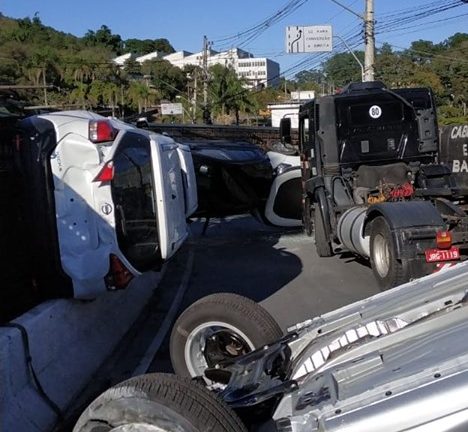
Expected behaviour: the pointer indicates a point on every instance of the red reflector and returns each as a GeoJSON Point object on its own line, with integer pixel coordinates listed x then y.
{"type": "Point", "coordinates": [444, 239]}
{"type": "Point", "coordinates": [106, 174]}
{"type": "Point", "coordinates": [119, 276]}
{"type": "Point", "coordinates": [101, 131]}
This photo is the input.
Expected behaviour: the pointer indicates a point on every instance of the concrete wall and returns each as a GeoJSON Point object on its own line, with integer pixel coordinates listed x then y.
{"type": "Point", "coordinates": [69, 340]}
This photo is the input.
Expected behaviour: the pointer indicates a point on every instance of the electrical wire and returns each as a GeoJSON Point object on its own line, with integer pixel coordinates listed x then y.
{"type": "Point", "coordinates": [254, 31]}
{"type": "Point", "coordinates": [394, 21]}
{"type": "Point", "coordinates": [415, 28]}
{"type": "Point", "coordinates": [425, 53]}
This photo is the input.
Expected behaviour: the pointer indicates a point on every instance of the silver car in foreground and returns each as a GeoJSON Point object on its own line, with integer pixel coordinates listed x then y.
{"type": "Point", "coordinates": [397, 361]}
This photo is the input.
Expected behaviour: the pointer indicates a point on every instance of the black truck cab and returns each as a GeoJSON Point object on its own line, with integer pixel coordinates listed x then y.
{"type": "Point", "coordinates": [371, 179]}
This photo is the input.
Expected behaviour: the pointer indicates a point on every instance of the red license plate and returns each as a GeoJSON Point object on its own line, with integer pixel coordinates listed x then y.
{"type": "Point", "coordinates": [435, 255]}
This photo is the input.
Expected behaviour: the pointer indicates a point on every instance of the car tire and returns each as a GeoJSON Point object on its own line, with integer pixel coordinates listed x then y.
{"type": "Point", "coordinates": [218, 327]}
{"type": "Point", "coordinates": [322, 241]}
{"type": "Point", "coordinates": [388, 270]}
{"type": "Point", "coordinates": [158, 402]}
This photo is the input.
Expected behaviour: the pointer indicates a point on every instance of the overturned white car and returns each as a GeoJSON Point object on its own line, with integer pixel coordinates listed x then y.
{"type": "Point", "coordinates": [397, 361]}
{"type": "Point", "coordinates": [103, 201]}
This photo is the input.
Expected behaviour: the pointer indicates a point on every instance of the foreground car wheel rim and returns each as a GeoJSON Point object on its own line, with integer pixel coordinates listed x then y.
{"type": "Point", "coordinates": [381, 255]}
{"type": "Point", "coordinates": [212, 342]}
{"type": "Point", "coordinates": [138, 427]}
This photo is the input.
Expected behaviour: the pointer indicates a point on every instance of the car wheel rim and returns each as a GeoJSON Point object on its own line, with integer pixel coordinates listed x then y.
{"type": "Point", "coordinates": [138, 427]}
{"type": "Point", "coordinates": [381, 255]}
{"type": "Point", "coordinates": [212, 342]}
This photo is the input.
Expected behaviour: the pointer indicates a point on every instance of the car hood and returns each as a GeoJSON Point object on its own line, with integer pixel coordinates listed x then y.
{"type": "Point", "coordinates": [394, 342]}
{"type": "Point", "coordinates": [236, 152]}
{"type": "Point", "coordinates": [399, 347]}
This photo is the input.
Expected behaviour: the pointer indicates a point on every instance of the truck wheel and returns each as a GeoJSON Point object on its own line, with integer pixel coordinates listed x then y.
{"type": "Point", "coordinates": [218, 327]}
{"type": "Point", "coordinates": [158, 402]}
{"type": "Point", "coordinates": [387, 269]}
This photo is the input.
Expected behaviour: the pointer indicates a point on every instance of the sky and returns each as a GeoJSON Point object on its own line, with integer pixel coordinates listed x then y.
{"type": "Point", "coordinates": [184, 23]}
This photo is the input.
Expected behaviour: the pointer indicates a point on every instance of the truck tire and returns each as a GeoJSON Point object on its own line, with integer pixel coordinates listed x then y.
{"type": "Point", "coordinates": [388, 270]}
{"type": "Point", "coordinates": [217, 327]}
{"type": "Point", "coordinates": [158, 402]}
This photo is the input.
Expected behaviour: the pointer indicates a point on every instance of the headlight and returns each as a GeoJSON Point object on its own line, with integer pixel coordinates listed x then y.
{"type": "Point", "coordinates": [204, 169]}
{"type": "Point", "coordinates": [281, 168]}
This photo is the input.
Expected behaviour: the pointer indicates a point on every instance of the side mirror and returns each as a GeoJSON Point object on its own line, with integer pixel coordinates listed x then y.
{"type": "Point", "coordinates": [285, 130]}
{"type": "Point", "coordinates": [142, 123]}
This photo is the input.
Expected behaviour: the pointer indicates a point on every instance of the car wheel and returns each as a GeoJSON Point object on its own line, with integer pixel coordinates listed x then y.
{"type": "Point", "coordinates": [219, 327]}
{"type": "Point", "coordinates": [158, 403]}
{"type": "Point", "coordinates": [387, 269]}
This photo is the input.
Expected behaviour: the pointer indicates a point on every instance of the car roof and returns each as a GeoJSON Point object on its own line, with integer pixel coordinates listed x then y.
{"type": "Point", "coordinates": [60, 118]}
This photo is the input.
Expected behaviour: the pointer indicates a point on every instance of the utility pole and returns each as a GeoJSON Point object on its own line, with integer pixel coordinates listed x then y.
{"type": "Point", "coordinates": [206, 111]}
{"type": "Point", "coordinates": [369, 39]}
{"type": "Point", "coordinates": [194, 101]}
{"type": "Point", "coordinates": [44, 82]}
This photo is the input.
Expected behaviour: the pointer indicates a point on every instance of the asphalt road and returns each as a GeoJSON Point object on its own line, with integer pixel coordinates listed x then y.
{"type": "Point", "coordinates": [278, 268]}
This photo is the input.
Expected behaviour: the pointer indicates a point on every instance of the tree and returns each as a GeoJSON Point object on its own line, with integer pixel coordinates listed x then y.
{"type": "Point", "coordinates": [309, 78]}
{"type": "Point", "coordinates": [147, 46]}
{"type": "Point", "coordinates": [456, 41]}
{"type": "Point", "coordinates": [228, 92]}
{"type": "Point", "coordinates": [139, 94]}
{"type": "Point", "coordinates": [422, 51]}
{"type": "Point", "coordinates": [167, 79]}
{"type": "Point", "coordinates": [104, 37]}
{"type": "Point", "coordinates": [342, 68]}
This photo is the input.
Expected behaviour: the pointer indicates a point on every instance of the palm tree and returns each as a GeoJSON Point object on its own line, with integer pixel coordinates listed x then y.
{"type": "Point", "coordinates": [229, 93]}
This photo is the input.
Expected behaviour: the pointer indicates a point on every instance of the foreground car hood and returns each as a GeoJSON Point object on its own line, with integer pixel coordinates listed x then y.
{"type": "Point", "coordinates": [390, 362]}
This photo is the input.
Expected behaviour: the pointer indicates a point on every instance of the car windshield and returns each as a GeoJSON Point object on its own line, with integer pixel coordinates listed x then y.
{"type": "Point", "coordinates": [135, 202]}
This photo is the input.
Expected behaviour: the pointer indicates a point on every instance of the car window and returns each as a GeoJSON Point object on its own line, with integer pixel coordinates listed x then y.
{"type": "Point", "coordinates": [134, 198]}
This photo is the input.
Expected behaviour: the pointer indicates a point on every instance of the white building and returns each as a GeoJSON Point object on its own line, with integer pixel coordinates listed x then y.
{"type": "Point", "coordinates": [120, 60]}
{"type": "Point", "coordinates": [151, 56]}
{"type": "Point", "coordinates": [257, 71]}
{"type": "Point", "coordinates": [289, 108]}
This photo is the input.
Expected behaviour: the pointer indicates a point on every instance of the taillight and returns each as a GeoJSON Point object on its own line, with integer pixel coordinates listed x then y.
{"type": "Point", "coordinates": [444, 239]}
{"type": "Point", "coordinates": [101, 131]}
{"type": "Point", "coordinates": [106, 174]}
{"type": "Point", "coordinates": [119, 276]}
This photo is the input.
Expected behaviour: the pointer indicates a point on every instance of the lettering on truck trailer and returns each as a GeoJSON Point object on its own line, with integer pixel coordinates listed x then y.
{"type": "Point", "coordinates": [459, 132]}
{"type": "Point", "coordinates": [461, 165]}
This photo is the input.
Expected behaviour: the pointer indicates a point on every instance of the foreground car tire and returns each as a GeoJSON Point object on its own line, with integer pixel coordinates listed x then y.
{"type": "Point", "coordinates": [218, 327]}
{"type": "Point", "coordinates": [158, 402]}
{"type": "Point", "coordinates": [387, 269]}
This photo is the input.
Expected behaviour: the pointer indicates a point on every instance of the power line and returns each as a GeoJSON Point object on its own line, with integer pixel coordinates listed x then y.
{"type": "Point", "coordinates": [427, 54]}
{"type": "Point", "coordinates": [394, 21]}
{"type": "Point", "coordinates": [253, 32]}
{"type": "Point", "coordinates": [422, 26]}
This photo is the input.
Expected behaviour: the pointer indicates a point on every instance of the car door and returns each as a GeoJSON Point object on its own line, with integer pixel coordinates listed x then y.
{"type": "Point", "coordinates": [148, 198]}
{"type": "Point", "coordinates": [169, 194]}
